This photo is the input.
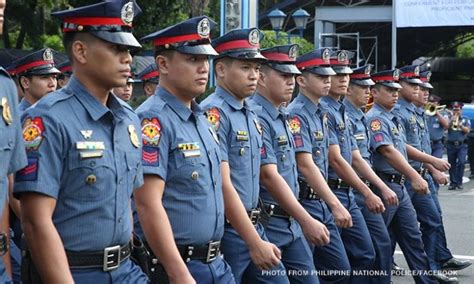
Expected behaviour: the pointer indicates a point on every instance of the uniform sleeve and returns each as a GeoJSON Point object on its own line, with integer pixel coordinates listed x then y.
{"type": "Point", "coordinates": [18, 159]}
{"type": "Point", "coordinates": [299, 128]}
{"type": "Point", "coordinates": [267, 152]}
{"type": "Point", "coordinates": [45, 147]}
{"type": "Point", "coordinates": [379, 133]}
{"type": "Point", "coordinates": [332, 133]}
{"type": "Point", "coordinates": [467, 122]}
{"type": "Point", "coordinates": [156, 145]}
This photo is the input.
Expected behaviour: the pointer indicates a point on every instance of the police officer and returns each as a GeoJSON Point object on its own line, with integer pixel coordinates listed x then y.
{"type": "Point", "coordinates": [437, 125]}
{"type": "Point", "coordinates": [308, 124]}
{"type": "Point", "coordinates": [66, 72]}
{"type": "Point", "coordinates": [83, 158]}
{"type": "Point", "coordinates": [279, 188]}
{"type": "Point", "coordinates": [13, 155]}
{"type": "Point", "coordinates": [181, 206]}
{"type": "Point", "coordinates": [150, 77]}
{"type": "Point", "coordinates": [342, 177]}
{"type": "Point", "coordinates": [36, 74]}
{"type": "Point", "coordinates": [459, 127]}
{"type": "Point", "coordinates": [356, 98]}
{"type": "Point", "coordinates": [444, 257]}
{"type": "Point", "coordinates": [240, 140]}
{"type": "Point", "coordinates": [387, 143]}
{"type": "Point", "coordinates": [125, 93]}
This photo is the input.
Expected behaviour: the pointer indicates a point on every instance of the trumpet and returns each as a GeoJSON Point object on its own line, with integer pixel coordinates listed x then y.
{"type": "Point", "coordinates": [455, 125]}
{"type": "Point", "coordinates": [431, 108]}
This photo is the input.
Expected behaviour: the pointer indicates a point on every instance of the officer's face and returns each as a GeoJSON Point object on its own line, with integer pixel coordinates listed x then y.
{"type": "Point", "coordinates": [149, 88]}
{"type": "Point", "coordinates": [39, 86]}
{"type": "Point", "coordinates": [63, 81]}
{"type": "Point", "coordinates": [339, 84]}
{"type": "Point", "coordinates": [280, 86]}
{"type": "Point", "coordinates": [422, 98]}
{"type": "Point", "coordinates": [315, 85]}
{"type": "Point", "coordinates": [359, 95]}
{"type": "Point", "coordinates": [125, 93]}
{"type": "Point", "coordinates": [409, 91]}
{"type": "Point", "coordinates": [2, 10]}
{"type": "Point", "coordinates": [240, 77]}
{"type": "Point", "coordinates": [385, 96]}
{"type": "Point", "coordinates": [185, 75]}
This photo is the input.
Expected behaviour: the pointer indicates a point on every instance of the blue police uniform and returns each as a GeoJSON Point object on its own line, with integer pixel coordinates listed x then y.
{"type": "Point", "coordinates": [356, 239]}
{"type": "Point", "coordinates": [282, 230]}
{"type": "Point", "coordinates": [457, 151]}
{"type": "Point", "coordinates": [12, 151]}
{"type": "Point", "coordinates": [436, 133]}
{"type": "Point", "coordinates": [414, 130]}
{"type": "Point", "coordinates": [182, 148]}
{"type": "Point", "coordinates": [401, 218]}
{"type": "Point", "coordinates": [309, 128]}
{"type": "Point", "coordinates": [375, 223]}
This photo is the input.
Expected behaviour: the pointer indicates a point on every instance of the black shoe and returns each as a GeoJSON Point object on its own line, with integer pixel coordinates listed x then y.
{"type": "Point", "coordinates": [397, 270]}
{"type": "Point", "coordinates": [460, 187]}
{"type": "Point", "coordinates": [442, 279]}
{"type": "Point", "coordinates": [455, 264]}
{"type": "Point", "coordinates": [471, 176]}
{"type": "Point", "coordinates": [452, 187]}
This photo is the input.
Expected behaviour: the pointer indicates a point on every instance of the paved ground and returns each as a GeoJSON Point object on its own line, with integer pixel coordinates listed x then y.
{"type": "Point", "coordinates": [458, 217]}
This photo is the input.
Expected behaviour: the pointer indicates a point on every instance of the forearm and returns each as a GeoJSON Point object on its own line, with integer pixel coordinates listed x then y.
{"type": "Point", "coordinates": [347, 173]}
{"type": "Point", "coordinates": [398, 162]}
{"type": "Point", "coordinates": [14, 203]}
{"type": "Point", "coordinates": [417, 155]}
{"type": "Point", "coordinates": [365, 170]}
{"type": "Point", "coordinates": [442, 121]}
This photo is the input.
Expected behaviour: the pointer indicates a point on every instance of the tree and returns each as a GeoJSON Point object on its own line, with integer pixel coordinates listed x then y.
{"type": "Point", "coordinates": [270, 40]}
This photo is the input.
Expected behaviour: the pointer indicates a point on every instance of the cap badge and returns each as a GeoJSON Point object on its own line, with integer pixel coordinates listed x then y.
{"type": "Point", "coordinates": [428, 76]}
{"type": "Point", "coordinates": [341, 56]}
{"type": "Point", "coordinates": [127, 13]}
{"type": "Point", "coordinates": [293, 52]}
{"type": "Point", "coordinates": [367, 70]}
{"type": "Point", "coordinates": [47, 55]}
{"type": "Point", "coordinates": [203, 28]}
{"type": "Point", "coordinates": [326, 55]}
{"type": "Point", "coordinates": [417, 71]}
{"type": "Point", "coordinates": [254, 37]}
{"type": "Point", "coordinates": [396, 74]}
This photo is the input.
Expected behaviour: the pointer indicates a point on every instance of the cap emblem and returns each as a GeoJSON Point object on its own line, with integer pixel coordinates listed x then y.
{"type": "Point", "coordinates": [47, 55]}
{"type": "Point", "coordinates": [341, 56]}
{"type": "Point", "coordinates": [203, 28]}
{"type": "Point", "coordinates": [127, 13]}
{"type": "Point", "coordinates": [254, 37]}
{"type": "Point", "coordinates": [367, 70]}
{"type": "Point", "coordinates": [326, 55]}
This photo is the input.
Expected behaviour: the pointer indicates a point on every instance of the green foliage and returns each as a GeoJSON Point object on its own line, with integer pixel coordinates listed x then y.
{"type": "Point", "coordinates": [466, 49]}
{"type": "Point", "coordinates": [270, 40]}
{"type": "Point", "coordinates": [52, 41]}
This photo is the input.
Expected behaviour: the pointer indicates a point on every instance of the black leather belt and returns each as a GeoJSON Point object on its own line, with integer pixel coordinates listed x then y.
{"type": "Point", "coordinates": [306, 191]}
{"type": "Point", "coordinates": [400, 179]}
{"type": "Point", "coordinates": [206, 253]}
{"type": "Point", "coordinates": [275, 210]}
{"type": "Point", "coordinates": [457, 143]}
{"type": "Point", "coordinates": [4, 246]}
{"type": "Point", "coordinates": [440, 141]}
{"type": "Point", "coordinates": [108, 259]}
{"type": "Point", "coordinates": [422, 171]}
{"type": "Point", "coordinates": [367, 182]}
{"type": "Point", "coordinates": [338, 184]}
{"type": "Point", "coordinates": [254, 216]}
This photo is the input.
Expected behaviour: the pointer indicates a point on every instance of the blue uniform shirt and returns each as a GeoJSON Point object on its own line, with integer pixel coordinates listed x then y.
{"type": "Point", "coordinates": [424, 132]}
{"type": "Point", "coordinates": [459, 135]}
{"type": "Point", "coordinates": [339, 132]}
{"type": "Point", "coordinates": [240, 142]}
{"type": "Point", "coordinates": [24, 104]}
{"type": "Point", "coordinates": [12, 149]}
{"type": "Point", "coordinates": [308, 124]}
{"type": "Point", "coordinates": [406, 112]}
{"type": "Point", "coordinates": [180, 147]}
{"type": "Point", "coordinates": [384, 129]}
{"type": "Point", "coordinates": [87, 157]}
{"type": "Point", "coordinates": [278, 145]}
{"type": "Point", "coordinates": [358, 124]}
{"type": "Point", "coordinates": [434, 127]}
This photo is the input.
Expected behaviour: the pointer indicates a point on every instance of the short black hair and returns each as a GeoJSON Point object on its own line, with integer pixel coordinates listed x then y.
{"type": "Point", "coordinates": [70, 38]}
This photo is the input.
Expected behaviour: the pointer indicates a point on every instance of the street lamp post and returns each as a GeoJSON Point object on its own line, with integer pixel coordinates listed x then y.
{"type": "Point", "coordinates": [277, 18]}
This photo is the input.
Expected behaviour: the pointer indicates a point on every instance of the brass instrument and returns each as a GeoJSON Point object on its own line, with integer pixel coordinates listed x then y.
{"type": "Point", "coordinates": [455, 124]}
{"type": "Point", "coordinates": [431, 109]}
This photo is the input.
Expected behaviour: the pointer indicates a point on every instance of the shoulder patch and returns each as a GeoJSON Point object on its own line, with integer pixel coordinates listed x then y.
{"type": "Point", "coordinates": [213, 116]}
{"type": "Point", "coordinates": [375, 125]}
{"type": "Point", "coordinates": [33, 133]}
{"type": "Point", "coordinates": [151, 131]}
{"type": "Point", "coordinates": [295, 125]}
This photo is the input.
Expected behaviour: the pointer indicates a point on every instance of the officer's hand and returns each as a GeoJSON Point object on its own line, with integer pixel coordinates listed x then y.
{"type": "Point", "coordinates": [341, 216]}
{"type": "Point", "coordinates": [440, 177]}
{"type": "Point", "coordinates": [441, 165]}
{"type": "Point", "coordinates": [264, 255]}
{"type": "Point", "coordinates": [374, 204]}
{"type": "Point", "coordinates": [389, 196]}
{"type": "Point", "coordinates": [315, 232]}
{"type": "Point", "coordinates": [420, 185]}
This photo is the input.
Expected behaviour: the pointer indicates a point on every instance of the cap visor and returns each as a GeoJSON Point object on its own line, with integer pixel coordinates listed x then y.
{"type": "Point", "coordinates": [426, 85]}
{"type": "Point", "coordinates": [285, 68]}
{"type": "Point", "coordinates": [245, 54]}
{"type": "Point", "coordinates": [44, 71]}
{"type": "Point", "coordinates": [200, 49]}
{"type": "Point", "coordinates": [342, 69]}
{"type": "Point", "coordinates": [392, 85]}
{"type": "Point", "coordinates": [325, 71]}
{"type": "Point", "coordinates": [365, 82]}
{"type": "Point", "coordinates": [412, 80]}
{"type": "Point", "coordinates": [121, 38]}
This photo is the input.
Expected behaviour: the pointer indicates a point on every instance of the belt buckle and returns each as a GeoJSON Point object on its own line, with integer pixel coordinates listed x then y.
{"type": "Point", "coordinates": [3, 244]}
{"type": "Point", "coordinates": [456, 143]}
{"type": "Point", "coordinates": [312, 194]}
{"type": "Point", "coordinates": [402, 180]}
{"type": "Point", "coordinates": [254, 216]}
{"type": "Point", "coordinates": [213, 251]}
{"type": "Point", "coordinates": [111, 258]}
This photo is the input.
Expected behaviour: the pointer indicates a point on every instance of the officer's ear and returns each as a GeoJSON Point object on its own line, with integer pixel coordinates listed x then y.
{"type": "Point", "coordinates": [220, 69]}
{"type": "Point", "coordinates": [79, 51]}
{"type": "Point", "coordinates": [163, 62]}
{"type": "Point", "coordinates": [301, 80]}
{"type": "Point", "coordinates": [24, 82]}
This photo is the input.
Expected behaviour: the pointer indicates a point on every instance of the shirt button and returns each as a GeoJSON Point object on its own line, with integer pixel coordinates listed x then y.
{"type": "Point", "coordinates": [91, 179]}
{"type": "Point", "coordinates": [92, 163]}
{"type": "Point", "coordinates": [120, 220]}
{"type": "Point", "coordinates": [318, 153]}
{"type": "Point", "coordinates": [120, 181]}
{"type": "Point", "coordinates": [194, 175]}
{"type": "Point", "coordinates": [283, 158]}
{"type": "Point", "coordinates": [242, 151]}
